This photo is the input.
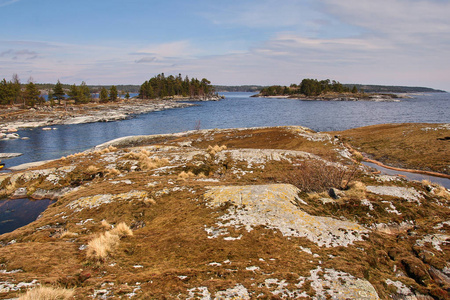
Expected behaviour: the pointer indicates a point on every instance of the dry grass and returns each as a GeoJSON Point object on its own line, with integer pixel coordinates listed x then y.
{"type": "Point", "coordinates": [68, 234]}
{"type": "Point", "coordinates": [113, 172]}
{"type": "Point", "coordinates": [357, 190]}
{"type": "Point", "coordinates": [105, 224]}
{"type": "Point", "coordinates": [413, 146]}
{"type": "Point", "coordinates": [91, 169]}
{"type": "Point", "coordinates": [100, 247]}
{"type": "Point", "coordinates": [122, 230]}
{"type": "Point", "coordinates": [149, 201]}
{"type": "Point", "coordinates": [145, 162]}
{"type": "Point", "coordinates": [185, 175]}
{"type": "Point", "coordinates": [216, 149]}
{"type": "Point", "coordinates": [47, 293]}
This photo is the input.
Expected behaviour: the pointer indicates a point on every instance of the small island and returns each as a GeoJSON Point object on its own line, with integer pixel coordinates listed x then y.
{"type": "Point", "coordinates": [325, 90]}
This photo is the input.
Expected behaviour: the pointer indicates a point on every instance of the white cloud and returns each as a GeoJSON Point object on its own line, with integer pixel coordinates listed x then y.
{"type": "Point", "coordinates": [172, 49]}
{"type": "Point", "coordinates": [7, 2]}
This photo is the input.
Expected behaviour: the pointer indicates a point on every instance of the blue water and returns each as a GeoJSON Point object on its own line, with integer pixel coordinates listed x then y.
{"type": "Point", "coordinates": [237, 110]}
{"type": "Point", "coordinates": [19, 212]}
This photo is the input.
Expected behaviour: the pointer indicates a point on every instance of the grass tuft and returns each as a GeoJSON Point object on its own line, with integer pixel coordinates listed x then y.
{"type": "Point", "coordinates": [68, 234]}
{"type": "Point", "coordinates": [216, 149]}
{"type": "Point", "coordinates": [185, 175]}
{"type": "Point", "coordinates": [47, 293]}
{"type": "Point", "coordinates": [100, 247]}
{"type": "Point", "coordinates": [122, 230]}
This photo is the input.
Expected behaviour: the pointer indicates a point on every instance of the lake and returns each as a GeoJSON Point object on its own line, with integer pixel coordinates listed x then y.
{"type": "Point", "coordinates": [236, 110]}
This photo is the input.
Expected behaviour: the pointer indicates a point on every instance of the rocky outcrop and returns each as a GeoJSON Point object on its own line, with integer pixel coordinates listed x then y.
{"type": "Point", "coordinates": [274, 206]}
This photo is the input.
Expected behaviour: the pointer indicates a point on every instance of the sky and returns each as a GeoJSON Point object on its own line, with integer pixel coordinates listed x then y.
{"type": "Point", "coordinates": [233, 42]}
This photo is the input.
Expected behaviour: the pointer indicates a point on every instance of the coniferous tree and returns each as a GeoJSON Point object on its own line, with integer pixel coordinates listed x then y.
{"type": "Point", "coordinates": [84, 93]}
{"type": "Point", "coordinates": [31, 94]}
{"type": "Point", "coordinates": [113, 93]}
{"type": "Point", "coordinates": [58, 92]}
{"type": "Point", "coordinates": [104, 95]}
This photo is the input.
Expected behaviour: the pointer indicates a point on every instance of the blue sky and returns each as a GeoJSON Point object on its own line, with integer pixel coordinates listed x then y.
{"type": "Point", "coordinates": [393, 42]}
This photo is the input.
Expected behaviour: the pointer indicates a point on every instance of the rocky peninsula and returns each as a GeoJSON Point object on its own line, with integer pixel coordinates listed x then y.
{"type": "Point", "coordinates": [14, 118]}
{"type": "Point", "coordinates": [268, 213]}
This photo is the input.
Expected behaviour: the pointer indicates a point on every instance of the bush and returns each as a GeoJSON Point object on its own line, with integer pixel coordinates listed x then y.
{"type": "Point", "coordinates": [318, 176]}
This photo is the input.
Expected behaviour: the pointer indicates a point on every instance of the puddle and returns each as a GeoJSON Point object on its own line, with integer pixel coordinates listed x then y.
{"type": "Point", "coordinates": [445, 182]}
{"type": "Point", "coordinates": [20, 212]}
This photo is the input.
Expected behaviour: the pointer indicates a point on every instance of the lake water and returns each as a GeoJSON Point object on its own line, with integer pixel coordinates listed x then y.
{"type": "Point", "coordinates": [236, 110]}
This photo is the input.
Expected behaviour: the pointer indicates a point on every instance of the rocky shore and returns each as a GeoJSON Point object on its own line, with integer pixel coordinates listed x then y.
{"type": "Point", "coordinates": [14, 118]}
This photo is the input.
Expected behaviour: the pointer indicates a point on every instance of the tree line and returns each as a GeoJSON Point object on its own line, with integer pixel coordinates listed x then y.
{"type": "Point", "coordinates": [308, 87]}
{"type": "Point", "coordinates": [13, 92]}
{"type": "Point", "coordinates": [161, 86]}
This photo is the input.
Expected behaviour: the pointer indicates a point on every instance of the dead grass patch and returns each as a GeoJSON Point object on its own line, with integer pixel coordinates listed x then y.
{"type": "Point", "coordinates": [185, 175]}
{"type": "Point", "coordinates": [68, 234]}
{"type": "Point", "coordinates": [105, 224]}
{"type": "Point", "coordinates": [122, 230]}
{"type": "Point", "coordinates": [47, 293]}
{"type": "Point", "coordinates": [100, 247]}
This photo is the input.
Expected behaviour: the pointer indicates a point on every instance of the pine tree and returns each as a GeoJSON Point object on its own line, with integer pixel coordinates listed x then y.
{"type": "Point", "coordinates": [31, 94]}
{"type": "Point", "coordinates": [113, 93]}
{"type": "Point", "coordinates": [104, 95]}
{"type": "Point", "coordinates": [58, 92]}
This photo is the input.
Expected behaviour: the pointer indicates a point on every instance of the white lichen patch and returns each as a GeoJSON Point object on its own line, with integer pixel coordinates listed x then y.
{"type": "Point", "coordinates": [391, 208]}
{"type": "Point", "coordinates": [409, 194]}
{"type": "Point", "coordinates": [236, 292]}
{"type": "Point", "coordinates": [6, 287]}
{"type": "Point", "coordinates": [338, 285]}
{"type": "Point", "coordinates": [273, 206]}
{"type": "Point", "coordinates": [367, 203]}
{"type": "Point", "coordinates": [436, 240]}
{"type": "Point", "coordinates": [262, 156]}
{"type": "Point", "coordinates": [97, 200]}
{"type": "Point", "coordinates": [402, 289]}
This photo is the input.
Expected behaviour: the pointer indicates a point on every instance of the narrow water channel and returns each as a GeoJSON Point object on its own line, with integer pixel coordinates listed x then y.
{"type": "Point", "coordinates": [445, 182]}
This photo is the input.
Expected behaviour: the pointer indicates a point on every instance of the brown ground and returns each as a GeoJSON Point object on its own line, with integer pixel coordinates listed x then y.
{"type": "Point", "coordinates": [412, 146]}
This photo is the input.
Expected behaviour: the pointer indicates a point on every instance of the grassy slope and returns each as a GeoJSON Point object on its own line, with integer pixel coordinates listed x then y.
{"type": "Point", "coordinates": [413, 146]}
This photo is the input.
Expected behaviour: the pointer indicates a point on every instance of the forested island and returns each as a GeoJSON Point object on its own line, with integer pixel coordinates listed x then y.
{"type": "Point", "coordinates": [329, 90]}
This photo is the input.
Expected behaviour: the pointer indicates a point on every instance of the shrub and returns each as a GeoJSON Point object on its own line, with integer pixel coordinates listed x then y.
{"type": "Point", "coordinates": [47, 293]}
{"type": "Point", "coordinates": [318, 176]}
